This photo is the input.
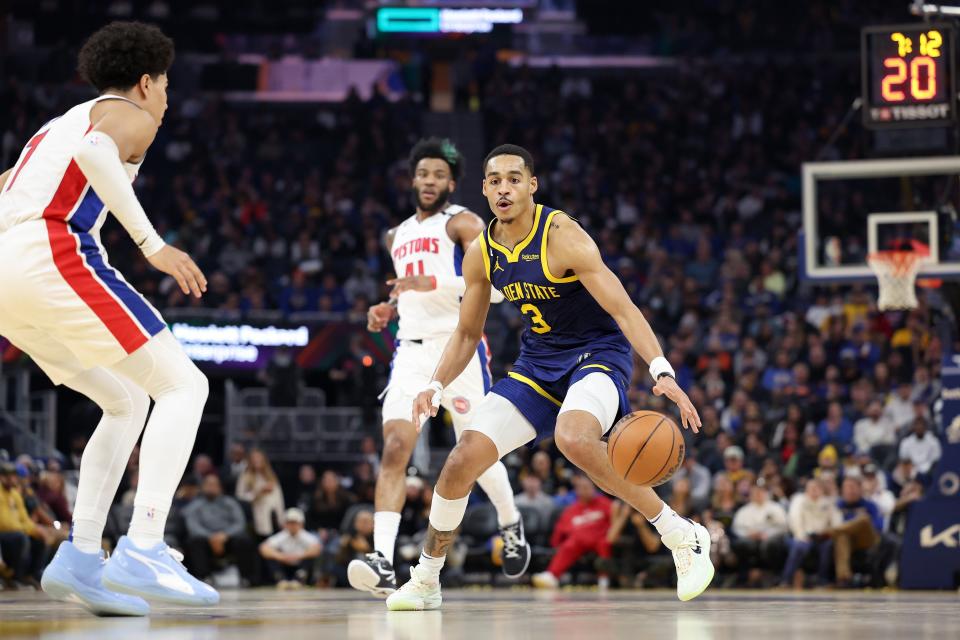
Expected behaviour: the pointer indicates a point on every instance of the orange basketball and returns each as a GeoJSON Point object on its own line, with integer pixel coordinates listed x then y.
{"type": "Point", "coordinates": [645, 448]}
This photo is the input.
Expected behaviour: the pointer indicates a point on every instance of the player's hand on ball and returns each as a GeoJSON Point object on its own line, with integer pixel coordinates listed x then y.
{"type": "Point", "coordinates": [411, 283]}
{"type": "Point", "coordinates": [689, 418]}
{"type": "Point", "coordinates": [425, 406]}
{"type": "Point", "coordinates": [378, 316]}
{"type": "Point", "coordinates": [181, 267]}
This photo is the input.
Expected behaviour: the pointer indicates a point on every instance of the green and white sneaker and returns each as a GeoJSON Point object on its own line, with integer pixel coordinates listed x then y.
{"type": "Point", "coordinates": [416, 595]}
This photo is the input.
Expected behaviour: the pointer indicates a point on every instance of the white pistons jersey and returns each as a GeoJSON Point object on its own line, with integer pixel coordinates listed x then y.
{"type": "Point", "coordinates": [45, 163]}
{"type": "Point", "coordinates": [425, 248]}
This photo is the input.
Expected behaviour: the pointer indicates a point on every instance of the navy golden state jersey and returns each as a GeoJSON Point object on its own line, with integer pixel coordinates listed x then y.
{"type": "Point", "coordinates": [568, 334]}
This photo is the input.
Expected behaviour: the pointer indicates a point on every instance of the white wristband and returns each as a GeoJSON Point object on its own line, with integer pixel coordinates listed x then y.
{"type": "Point", "coordinates": [659, 366]}
{"type": "Point", "coordinates": [437, 392]}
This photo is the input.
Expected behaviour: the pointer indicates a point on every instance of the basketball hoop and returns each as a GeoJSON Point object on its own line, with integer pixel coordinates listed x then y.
{"type": "Point", "coordinates": [896, 274]}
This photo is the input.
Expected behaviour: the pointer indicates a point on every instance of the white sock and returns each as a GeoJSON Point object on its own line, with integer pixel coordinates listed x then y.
{"type": "Point", "coordinates": [86, 534]}
{"type": "Point", "coordinates": [668, 520]}
{"type": "Point", "coordinates": [496, 484]}
{"type": "Point", "coordinates": [179, 389]}
{"type": "Point", "coordinates": [429, 568]}
{"type": "Point", "coordinates": [146, 526]}
{"type": "Point", "coordinates": [125, 407]}
{"type": "Point", "coordinates": [385, 527]}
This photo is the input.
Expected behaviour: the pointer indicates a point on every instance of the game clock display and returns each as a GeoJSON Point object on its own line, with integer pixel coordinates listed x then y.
{"type": "Point", "coordinates": [908, 75]}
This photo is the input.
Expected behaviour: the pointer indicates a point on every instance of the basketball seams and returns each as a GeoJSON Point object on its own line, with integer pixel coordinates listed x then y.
{"type": "Point", "coordinates": [666, 461]}
{"type": "Point", "coordinates": [640, 450]}
{"type": "Point", "coordinates": [617, 432]}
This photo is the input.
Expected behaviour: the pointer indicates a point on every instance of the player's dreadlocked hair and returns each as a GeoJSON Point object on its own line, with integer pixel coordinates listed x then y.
{"type": "Point", "coordinates": [117, 56]}
{"type": "Point", "coordinates": [440, 148]}
{"type": "Point", "coordinates": [510, 150]}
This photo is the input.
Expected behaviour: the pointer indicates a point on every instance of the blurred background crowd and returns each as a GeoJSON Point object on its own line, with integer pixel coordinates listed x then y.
{"type": "Point", "coordinates": [818, 411]}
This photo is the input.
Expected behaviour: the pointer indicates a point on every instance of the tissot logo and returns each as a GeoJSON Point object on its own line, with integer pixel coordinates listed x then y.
{"type": "Point", "coordinates": [949, 537]}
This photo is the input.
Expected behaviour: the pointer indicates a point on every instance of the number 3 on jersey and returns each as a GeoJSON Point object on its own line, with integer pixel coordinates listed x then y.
{"type": "Point", "coordinates": [538, 325]}
{"type": "Point", "coordinates": [409, 272]}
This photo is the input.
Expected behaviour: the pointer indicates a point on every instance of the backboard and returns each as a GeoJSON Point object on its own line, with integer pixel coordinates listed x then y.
{"type": "Point", "coordinates": [854, 208]}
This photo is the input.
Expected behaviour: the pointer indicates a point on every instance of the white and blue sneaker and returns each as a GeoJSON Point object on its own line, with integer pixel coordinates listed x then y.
{"type": "Point", "coordinates": [155, 574]}
{"type": "Point", "coordinates": [75, 576]}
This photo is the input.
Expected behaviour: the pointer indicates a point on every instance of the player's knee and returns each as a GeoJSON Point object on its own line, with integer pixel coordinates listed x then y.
{"type": "Point", "coordinates": [572, 442]}
{"type": "Point", "coordinates": [471, 456]}
{"type": "Point", "coordinates": [396, 452]}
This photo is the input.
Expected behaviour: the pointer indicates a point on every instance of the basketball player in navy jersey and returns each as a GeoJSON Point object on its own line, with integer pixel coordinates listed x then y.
{"type": "Point", "coordinates": [569, 381]}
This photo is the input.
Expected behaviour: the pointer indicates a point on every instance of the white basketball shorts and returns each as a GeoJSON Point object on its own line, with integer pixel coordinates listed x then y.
{"type": "Point", "coordinates": [64, 305]}
{"type": "Point", "coordinates": [411, 372]}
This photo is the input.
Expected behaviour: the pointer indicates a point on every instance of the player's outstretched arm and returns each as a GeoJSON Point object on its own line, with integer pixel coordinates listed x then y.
{"type": "Point", "coordinates": [573, 249]}
{"type": "Point", "coordinates": [463, 343]}
{"type": "Point", "coordinates": [123, 132]}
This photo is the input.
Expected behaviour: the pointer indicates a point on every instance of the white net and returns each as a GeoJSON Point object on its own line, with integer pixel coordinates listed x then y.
{"type": "Point", "coordinates": [896, 273]}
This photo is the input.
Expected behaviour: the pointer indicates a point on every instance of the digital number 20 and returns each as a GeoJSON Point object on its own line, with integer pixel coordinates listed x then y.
{"type": "Point", "coordinates": [891, 85]}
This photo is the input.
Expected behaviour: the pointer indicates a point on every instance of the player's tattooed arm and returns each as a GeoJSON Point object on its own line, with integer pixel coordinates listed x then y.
{"type": "Point", "coordinates": [438, 542]}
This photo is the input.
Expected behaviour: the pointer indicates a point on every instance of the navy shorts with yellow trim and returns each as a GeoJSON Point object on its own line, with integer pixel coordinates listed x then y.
{"type": "Point", "coordinates": [540, 401]}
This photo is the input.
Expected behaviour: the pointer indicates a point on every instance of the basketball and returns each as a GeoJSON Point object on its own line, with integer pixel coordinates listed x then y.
{"type": "Point", "coordinates": [645, 448]}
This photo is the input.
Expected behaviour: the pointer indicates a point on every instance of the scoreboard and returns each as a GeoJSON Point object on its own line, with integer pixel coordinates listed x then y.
{"type": "Point", "coordinates": [909, 75]}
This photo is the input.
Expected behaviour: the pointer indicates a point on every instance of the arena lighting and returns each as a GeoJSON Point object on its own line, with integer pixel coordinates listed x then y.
{"type": "Point", "coordinates": [435, 20]}
{"type": "Point", "coordinates": [922, 9]}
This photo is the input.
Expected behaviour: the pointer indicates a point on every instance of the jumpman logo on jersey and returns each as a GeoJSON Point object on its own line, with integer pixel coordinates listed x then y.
{"type": "Point", "coordinates": [496, 265]}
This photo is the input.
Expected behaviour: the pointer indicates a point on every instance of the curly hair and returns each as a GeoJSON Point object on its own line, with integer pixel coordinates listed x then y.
{"type": "Point", "coordinates": [117, 56]}
{"type": "Point", "coordinates": [440, 148]}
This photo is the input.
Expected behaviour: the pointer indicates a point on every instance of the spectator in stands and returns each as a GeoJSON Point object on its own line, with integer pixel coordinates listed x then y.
{"type": "Point", "coordinates": [542, 467]}
{"type": "Point", "coordinates": [803, 463]}
{"type": "Point", "coordinates": [899, 409]}
{"type": "Point", "coordinates": [811, 517]}
{"type": "Point", "coordinates": [306, 486]}
{"type": "Point", "coordinates": [52, 491]}
{"type": "Point", "coordinates": [290, 553]}
{"type": "Point", "coordinates": [364, 482]}
{"type": "Point", "coordinates": [874, 489]}
{"type": "Point", "coordinates": [760, 527]}
{"type": "Point", "coordinates": [921, 448]}
{"type": "Point", "coordinates": [233, 467]}
{"type": "Point", "coordinates": [368, 449]}
{"type": "Point", "coordinates": [533, 497]}
{"type": "Point", "coordinates": [23, 544]}
{"type": "Point", "coordinates": [698, 477]}
{"type": "Point", "coordinates": [835, 429]}
{"type": "Point", "coordinates": [330, 503]}
{"type": "Point", "coordinates": [733, 465]}
{"type": "Point", "coordinates": [874, 433]}
{"type": "Point", "coordinates": [582, 528]}
{"type": "Point", "coordinates": [859, 531]}
{"type": "Point", "coordinates": [202, 467]}
{"type": "Point", "coordinates": [217, 527]}
{"type": "Point", "coordinates": [648, 564]}
{"type": "Point", "coordinates": [354, 543]}
{"type": "Point", "coordinates": [259, 486]}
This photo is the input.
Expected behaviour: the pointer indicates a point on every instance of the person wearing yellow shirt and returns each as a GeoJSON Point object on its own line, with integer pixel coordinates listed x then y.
{"type": "Point", "coordinates": [22, 543]}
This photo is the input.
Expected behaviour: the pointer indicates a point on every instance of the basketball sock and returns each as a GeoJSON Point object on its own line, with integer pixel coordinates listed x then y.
{"type": "Point", "coordinates": [179, 389]}
{"type": "Point", "coordinates": [146, 526]}
{"type": "Point", "coordinates": [385, 527]}
{"type": "Point", "coordinates": [105, 457]}
{"type": "Point", "coordinates": [496, 484]}
{"type": "Point", "coordinates": [668, 520]}
{"type": "Point", "coordinates": [429, 568]}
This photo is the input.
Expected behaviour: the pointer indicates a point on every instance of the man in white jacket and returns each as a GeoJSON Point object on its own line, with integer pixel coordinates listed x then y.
{"type": "Point", "coordinates": [760, 527]}
{"type": "Point", "coordinates": [812, 514]}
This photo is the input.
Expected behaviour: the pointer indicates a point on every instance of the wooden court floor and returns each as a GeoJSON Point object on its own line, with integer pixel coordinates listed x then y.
{"type": "Point", "coordinates": [520, 613]}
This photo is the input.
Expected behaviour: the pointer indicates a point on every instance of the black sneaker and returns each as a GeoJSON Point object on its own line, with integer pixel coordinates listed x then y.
{"type": "Point", "coordinates": [374, 574]}
{"type": "Point", "coordinates": [516, 550]}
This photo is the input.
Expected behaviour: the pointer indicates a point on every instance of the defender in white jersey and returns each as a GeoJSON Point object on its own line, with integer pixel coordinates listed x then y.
{"type": "Point", "coordinates": [427, 250]}
{"type": "Point", "coordinates": [63, 304]}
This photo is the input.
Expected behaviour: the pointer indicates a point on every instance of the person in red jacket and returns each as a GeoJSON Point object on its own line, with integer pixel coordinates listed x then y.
{"type": "Point", "coordinates": [582, 528]}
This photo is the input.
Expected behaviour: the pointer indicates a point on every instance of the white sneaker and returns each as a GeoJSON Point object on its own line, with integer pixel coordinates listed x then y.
{"type": "Point", "coordinates": [545, 580]}
{"type": "Point", "coordinates": [691, 555]}
{"type": "Point", "coordinates": [416, 595]}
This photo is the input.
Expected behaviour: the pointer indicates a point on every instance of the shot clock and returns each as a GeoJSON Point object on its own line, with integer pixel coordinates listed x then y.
{"type": "Point", "coordinates": [909, 75]}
